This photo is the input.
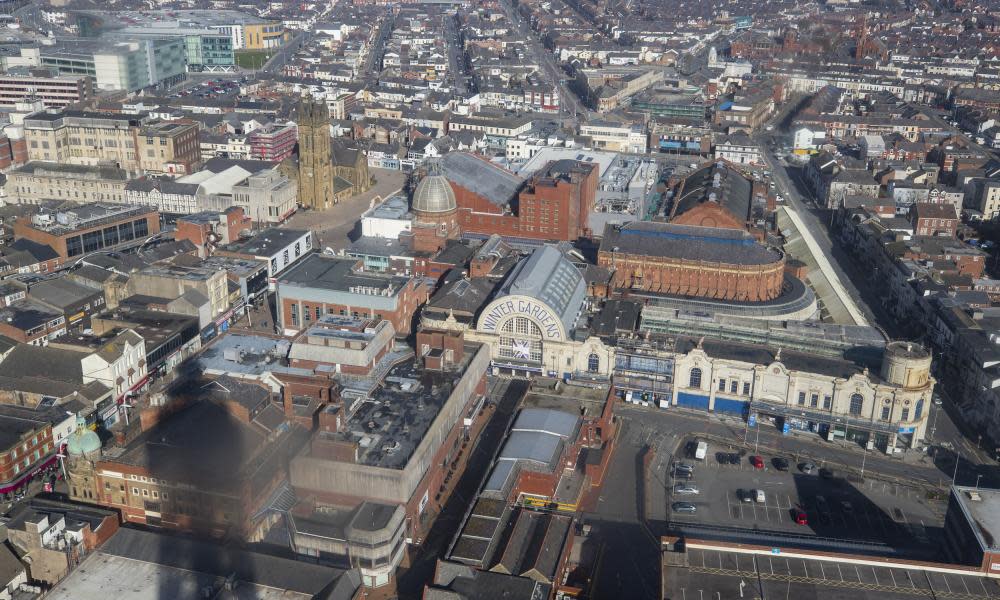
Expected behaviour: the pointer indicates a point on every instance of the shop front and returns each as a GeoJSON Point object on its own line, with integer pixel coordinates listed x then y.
{"type": "Point", "coordinates": [865, 433]}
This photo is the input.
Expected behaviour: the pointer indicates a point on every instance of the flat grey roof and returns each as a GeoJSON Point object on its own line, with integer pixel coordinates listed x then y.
{"type": "Point", "coordinates": [982, 509]}
{"type": "Point", "coordinates": [713, 572]}
{"type": "Point", "coordinates": [480, 176]}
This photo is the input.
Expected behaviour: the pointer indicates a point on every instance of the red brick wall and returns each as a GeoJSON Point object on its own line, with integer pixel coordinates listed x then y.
{"type": "Point", "coordinates": [703, 280]}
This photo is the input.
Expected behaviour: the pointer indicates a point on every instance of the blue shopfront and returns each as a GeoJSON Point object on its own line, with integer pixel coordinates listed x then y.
{"type": "Point", "coordinates": [695, 401]}
{"type": "Point", "coordinates": [730, 406]}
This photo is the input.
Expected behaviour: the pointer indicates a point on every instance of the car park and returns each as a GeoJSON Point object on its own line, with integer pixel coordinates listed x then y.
{"type": "Point", "coordinates": [757, 462]}
{"type": "Point", "coordinates": [684, 507]}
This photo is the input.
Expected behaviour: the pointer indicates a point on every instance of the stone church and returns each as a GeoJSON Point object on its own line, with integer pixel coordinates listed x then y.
{"type": "Point", "coordinates": [326, 171]}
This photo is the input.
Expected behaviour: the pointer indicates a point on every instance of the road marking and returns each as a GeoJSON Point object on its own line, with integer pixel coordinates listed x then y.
{"type": "Point", "coordinates": [893, 578]}
{"type": "Point", "coordinates": [858, 572]}
{"type": "Point", "coordinates": [839, 572]}
{"type": "Point", "coordinates": [875, 575]}
{"type": "Point", "coordinates": [946, 584]}
{"type": "Point", "coordinates": [962, 579]}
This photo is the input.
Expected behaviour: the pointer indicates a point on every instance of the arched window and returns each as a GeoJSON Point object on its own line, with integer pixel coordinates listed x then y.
{"type": "Point", "coordinates": [593, 363]}
{"type": "Point", "coordinates": [857, 401]}
{"type": "Point", "coordinates": [919, 411]}
{"type": "Point", "coordinates": [695, 380]}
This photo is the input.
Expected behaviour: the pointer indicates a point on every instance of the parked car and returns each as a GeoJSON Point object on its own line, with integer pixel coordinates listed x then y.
{"type": "Point", "coordinates": [684, 507]}
{"type": "Point", "coordinates": [757, 461]}
{"type": "Point", "coordinates": [734, 458]}
{"type": "Point", "coordinates": [800, 516]}
{"type": "Point", "coordinates": [822, 506]}
{"type": "Point", "coordinates": [759, 496]}
{"type": "Point", "coordinates": [826, 473]}
{"type": "Point", "coordinates": [846, 506]}
{"type": "Point", "coordinates": [678, 467]}
{"type": "Point", "coordinates": [722, 458]}
{"type": "Point", "coordinates": [683, 475]}
{"type": "Point", "coordinates": [807, 467]}
{"type": "Point", "coordinates": [686, 489]}
{"type": "Point", "coordinates": [780, 464]}
{"type": "Point", "coordinates": [744, 495]}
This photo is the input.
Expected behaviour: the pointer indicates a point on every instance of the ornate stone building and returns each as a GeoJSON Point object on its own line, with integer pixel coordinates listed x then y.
{"type": "Point", "coordinates": [315, 173]}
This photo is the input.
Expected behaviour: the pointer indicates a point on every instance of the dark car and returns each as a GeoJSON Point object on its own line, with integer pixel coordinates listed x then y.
{"type": "Point", "coordinates": [744, 495]}
{"type": "Point", "coordinates": [683, 475]}
{"type": "Point", "coordinates": [826, 473]}
{"type": "Point", "coordinates": [722, 458]}
{"type": "Point", "coordinates": [684, 507]}
{"type": "Point", "coordinates": [734, 458]}
{"type": "Point", "coordinates": [780, 464]}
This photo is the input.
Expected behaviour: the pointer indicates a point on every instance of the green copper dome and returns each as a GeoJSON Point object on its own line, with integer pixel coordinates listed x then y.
{"type": "Point", "coordinates": [83, 441]}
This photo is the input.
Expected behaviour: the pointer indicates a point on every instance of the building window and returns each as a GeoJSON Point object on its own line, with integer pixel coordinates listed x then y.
{"type": "Point", "coordinates": [906, 415]}
{"type": "Point", "coordinates": [886, 410]}
{"type": "Point", "coordinates": [802, 398]}
{"type": "Point", "coordinates": [746, 388]}
{"type": "Point", "coordinates": [827, 402]}
{"type": "Point", "coordinates": [733, 386]}
{"type": "Point", "coordinates": [919, 412]}
{"type": "Point", "coordinates": [857, 402]}
{"type": "Point", "coordinates": [722, 385]}
{"type": "Point", "coordinates": [295, 314]}
{"type": "Point", "coordinates": [814, 400]}
{"type": "Point", "coordinates": [695, 378]}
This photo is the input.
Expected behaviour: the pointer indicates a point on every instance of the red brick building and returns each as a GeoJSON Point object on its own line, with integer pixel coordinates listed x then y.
{"type": "Point", "coordinates": [210, 229]}
{"type": "Point", "coordinates": [552, 205]}
{"type": "Point", "coordinates": [934, 219]}
{"type": "Point", "coordinates": [321, 285]}
{"type": "Point", "coordinates": [28, 446]}
{"type": "Point", "coordinates": [89, 227]}
{"type": "Point", "coordinates": [683, 260]}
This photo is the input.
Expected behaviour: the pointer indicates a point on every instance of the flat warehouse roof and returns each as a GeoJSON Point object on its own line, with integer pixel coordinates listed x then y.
{"type": "Point", "coordinates": [716, 572]}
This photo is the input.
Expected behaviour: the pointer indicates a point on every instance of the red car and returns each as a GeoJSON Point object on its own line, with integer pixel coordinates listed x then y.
{"type": "Point", "coordinates": [757, 462]}
{"type": "Point", "coordinates": [800, 517]}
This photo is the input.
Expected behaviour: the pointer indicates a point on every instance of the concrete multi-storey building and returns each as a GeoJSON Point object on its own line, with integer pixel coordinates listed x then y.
{"type": "Point", "coordinates": [171, 148]}
{"type": "Point", "coordinates": [83, 138]}
{"type": "Point", "coordinates": [38, 181]}
{"type": "Point", "coordinates": [273, 142]}
{"type": "Point", "coordinates": [616, 137]}
{"type": "Point", "coordinates": [118, 65]}
{"type": "Point", "coordinates": [55, 91]}
{"type": "Point", "coordinates": [266, 196]}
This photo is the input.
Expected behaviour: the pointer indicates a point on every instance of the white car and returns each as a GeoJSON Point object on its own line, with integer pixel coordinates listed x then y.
{"type": "Point", "coordinates": [779, 198]}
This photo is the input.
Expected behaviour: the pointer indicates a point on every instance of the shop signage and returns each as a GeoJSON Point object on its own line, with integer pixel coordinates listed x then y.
{"type": "Point", "coordinates": [534, 310]}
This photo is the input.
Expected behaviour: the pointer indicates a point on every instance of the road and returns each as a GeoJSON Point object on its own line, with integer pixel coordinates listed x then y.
{"type": "Point", "coordinates": [282, 56]}
{"type": "Point", "coordinates": [568, 102]}
{"type": "Point", "coordinates": [373, 60]}
{"type": "Point", "coordinates": [335, 226]}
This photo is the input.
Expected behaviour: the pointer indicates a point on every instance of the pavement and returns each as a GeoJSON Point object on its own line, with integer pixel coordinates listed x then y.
{"type": "Point", "coordinates": [335, 226]}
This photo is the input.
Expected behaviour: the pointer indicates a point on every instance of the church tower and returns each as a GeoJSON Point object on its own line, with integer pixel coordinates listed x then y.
{"type": "Point", "coordinates": [315, 170]}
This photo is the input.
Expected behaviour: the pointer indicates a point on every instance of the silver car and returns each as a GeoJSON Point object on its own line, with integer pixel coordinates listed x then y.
{"type": "Point", "coordinates": [685, 489]}
{"type": "Point", "coordinates": [684, 507]}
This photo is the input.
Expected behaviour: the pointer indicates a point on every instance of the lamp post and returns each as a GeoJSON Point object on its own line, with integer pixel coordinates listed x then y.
{"type": "Point", "coordinates": [958, 458]}
{"type": "Point", "coordinates": [863, 457]}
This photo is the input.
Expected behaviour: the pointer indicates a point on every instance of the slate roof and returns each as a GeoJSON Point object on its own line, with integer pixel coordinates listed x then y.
{"type": "Point", "coordinates": [687, 242]}
{"type": "Point", "coordinates": [478, 175]}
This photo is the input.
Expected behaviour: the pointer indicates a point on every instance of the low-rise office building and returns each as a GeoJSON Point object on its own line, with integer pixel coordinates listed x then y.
{"type": "Point", "coordinates": [323, 285]}
{"type": "Point", "coordinates": [89, 228]}
{"type": "Point", "coordinates": [278, 248]}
